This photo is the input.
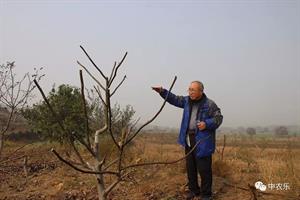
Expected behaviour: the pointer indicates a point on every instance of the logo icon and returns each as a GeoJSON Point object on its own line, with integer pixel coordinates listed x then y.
{"type": "Point", "coordinates": [260, 186]}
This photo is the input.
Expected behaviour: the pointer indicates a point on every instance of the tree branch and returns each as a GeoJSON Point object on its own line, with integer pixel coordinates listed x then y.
{"type": "Point", "coordinates": [170, 162]}
{"type": "Point", "coordinates": [89, 73]}
{"type": "Point", "coordinates": [111, 164]}
{"type": "Point", "coordinates": [16, 150]}
{"type": "Point", "coordinates": [116, 70]}
{"type": "Point", "coordinates": [84, 109]}
{"type": "Point", "coordinates": [81, 170]}
{"type": "Point", "coordinates": [114, 184]}
{"type": "Point", "coordinates": [78, 154]}
{"type": "Point", "coordinates": [109, 116]}
{"type": "Point", "coordinates": [100, 96]}
{"type": "Point", "coordinates": [93, 63]}
{"type": "Point", "coordinates": [88, 147]}
{"type": "Point", "coordinates": [112, 71]}
{"type": "Point", "coordinates": [153, 118]}
{"type": "Point", "coordinates": [118, 86]}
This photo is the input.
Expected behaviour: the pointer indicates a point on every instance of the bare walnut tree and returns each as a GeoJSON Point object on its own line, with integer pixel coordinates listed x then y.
{"type": "Point", "coordinates": [107, 164]}
{"type": "Point", "coordinates": [14, 95]}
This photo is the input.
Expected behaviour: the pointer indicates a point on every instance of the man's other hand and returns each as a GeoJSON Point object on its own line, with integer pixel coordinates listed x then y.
{"type": "Point", "coordinates": [157, 89]}
{"type": "Point", "coordinates": [201, 125]}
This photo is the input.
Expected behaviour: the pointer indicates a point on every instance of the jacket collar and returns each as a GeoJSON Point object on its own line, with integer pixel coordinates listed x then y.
{"type": "Point", "coordinates": [201, 100]}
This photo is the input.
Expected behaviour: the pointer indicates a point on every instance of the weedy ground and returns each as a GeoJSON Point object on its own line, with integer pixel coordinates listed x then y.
{"type": "Point", "coordinates": [236, 167]}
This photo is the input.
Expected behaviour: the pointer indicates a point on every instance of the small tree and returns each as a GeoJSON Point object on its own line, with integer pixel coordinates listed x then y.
{"type": "Point", "coordinates": [251, 131]}
{"type": "Point", "coordinates": [120, 117]}
{"type": "Point", "coordinates": [66, 101]}
{"type": "Point", "coordinates": [14, 95]}
{"type": "Point", "coordinates": [106, 163]}
{"type": "Point", "coordinates": [281, 131]}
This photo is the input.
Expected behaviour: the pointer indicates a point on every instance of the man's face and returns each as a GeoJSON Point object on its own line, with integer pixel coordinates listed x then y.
{"type": "Point", "coordinates": [195, 91]}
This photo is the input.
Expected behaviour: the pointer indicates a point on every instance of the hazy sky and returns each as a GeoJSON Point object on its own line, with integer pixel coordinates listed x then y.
{"type": "Point", "coordinates": [245, 52]}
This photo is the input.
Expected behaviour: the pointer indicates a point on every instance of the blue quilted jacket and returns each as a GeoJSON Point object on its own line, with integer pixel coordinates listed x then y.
{"type": "Point", "coordinates": [207, 112]}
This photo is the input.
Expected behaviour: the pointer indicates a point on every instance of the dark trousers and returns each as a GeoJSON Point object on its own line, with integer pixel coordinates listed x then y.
{"type": "Point", "coordinates": [203, 166]}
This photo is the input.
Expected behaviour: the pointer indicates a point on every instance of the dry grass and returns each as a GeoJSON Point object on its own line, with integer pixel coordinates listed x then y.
{"type": "Point", "coordinates": [245, 161]}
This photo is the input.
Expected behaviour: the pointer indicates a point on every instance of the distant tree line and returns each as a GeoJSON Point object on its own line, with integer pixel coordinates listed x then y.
{"type": "Point", "coordinates": [278, 131]}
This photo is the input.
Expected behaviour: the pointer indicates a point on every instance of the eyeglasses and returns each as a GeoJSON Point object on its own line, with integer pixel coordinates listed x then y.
{"type": "Point", "coordinates": [191, 90]}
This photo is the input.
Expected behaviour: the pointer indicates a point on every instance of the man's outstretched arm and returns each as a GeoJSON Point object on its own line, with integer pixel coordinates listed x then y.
{"type": "Point", "coordinates": [173, 99]}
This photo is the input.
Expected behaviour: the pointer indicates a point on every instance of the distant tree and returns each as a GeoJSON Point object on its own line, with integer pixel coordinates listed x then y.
{"type": "Point", "coordinates": [251, 131]}
{"type": "Point", "coordinates": [14, 95]}
{"type": "Point", "coordinates": [66, 101]}
{"type": "Point", "coordinates": [281, 131]}
{"type": "Point", "coordinates": [120, 117]}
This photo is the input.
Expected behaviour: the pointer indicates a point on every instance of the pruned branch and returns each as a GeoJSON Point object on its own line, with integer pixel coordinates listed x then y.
{"type": "Point", "coordinates": [111, 164]}
{"type": "Point", "coordinates": [88, 147]}
{"type": "Point", "coordinates": [118, 86]}
{"type": "Point", "coordinates": [49, 106]}
{"type": "Point", "coordinates": [170, 162]}
{"type": "Point", "coordinates": [114, 184]}
{"type": "Point", "coordinates": [93, 62]}
{"type": "Point", "coordinates": [112, 71]}
{"type": "Point", "coordinates": [100, 95]}
{"type": "Point", "coordinates": [11, 159]}
{"type": "Point", "coordinates": [78, 154]}
{"type": "Point", "coordinates": [84, 109]}
{"type": "Point", "coordinates": [109, 117]}
{"type": "Point", "coordinates": [15, 151]}
{"type": "Point", "coordinates": [79, 169]}
{"type": "Point", "coordinates": [154, 117]}
{"type": "Point", "coordinates": [115, 70]}
{"type": "Point", "coordinates": [89, 73]}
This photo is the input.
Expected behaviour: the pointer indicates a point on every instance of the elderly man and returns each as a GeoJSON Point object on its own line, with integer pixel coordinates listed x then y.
{"type": "Point", "coordinates": [201, 117]}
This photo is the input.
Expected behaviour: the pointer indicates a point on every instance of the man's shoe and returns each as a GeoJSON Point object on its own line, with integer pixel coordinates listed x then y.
{"type": "Point", "coordinates": [191, 195]}
{"type": "Point", "coordinates": [207, 198]}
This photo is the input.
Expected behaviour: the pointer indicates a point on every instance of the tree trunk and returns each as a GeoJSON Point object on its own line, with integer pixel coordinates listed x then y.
{"type": "Point", "coordinates": [100, 187]}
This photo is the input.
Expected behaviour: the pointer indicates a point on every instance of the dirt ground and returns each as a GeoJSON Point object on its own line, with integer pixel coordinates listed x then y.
{"type": "Point", "coordinates": [243, 162]}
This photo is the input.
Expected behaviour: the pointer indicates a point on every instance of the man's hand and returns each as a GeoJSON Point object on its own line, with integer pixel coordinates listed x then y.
{"type": "Point", "coordinates": [157, 89]}
{"type": "Point", "coordinates": [201, 125]}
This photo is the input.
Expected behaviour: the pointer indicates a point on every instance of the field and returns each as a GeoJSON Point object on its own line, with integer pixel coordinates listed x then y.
{"type": "Point", "coordinates": [33, 172]}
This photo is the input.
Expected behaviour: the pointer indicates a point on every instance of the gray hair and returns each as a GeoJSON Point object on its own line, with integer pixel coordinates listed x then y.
{"type": "Point", "coordinates": [200, 84]}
